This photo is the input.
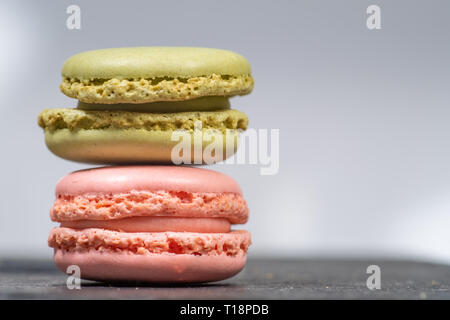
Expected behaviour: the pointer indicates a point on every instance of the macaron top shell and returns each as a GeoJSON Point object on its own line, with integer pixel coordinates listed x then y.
{"type": "Point", "coordinates": [154, 62]}
{"type": "Point", "coordinates": [124, 179]}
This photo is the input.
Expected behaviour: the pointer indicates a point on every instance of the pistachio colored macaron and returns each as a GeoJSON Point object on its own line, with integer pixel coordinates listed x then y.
{"type": "Point", "coordinates": [150, 74]}
{"type": "Point", "coordinates": [120, 137]}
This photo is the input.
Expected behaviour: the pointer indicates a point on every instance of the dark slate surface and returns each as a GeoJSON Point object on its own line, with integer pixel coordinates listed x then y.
{"type": "Point", "coordinates": [262, 279]}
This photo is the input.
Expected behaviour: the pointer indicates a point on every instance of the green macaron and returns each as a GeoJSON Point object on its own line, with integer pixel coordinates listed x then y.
{"type": "Point", "coordinates": [149, 104]}
{"type": "Point", "coordinates": [118, 137]}
{"type": "Point", "coordinates": [150, 74]}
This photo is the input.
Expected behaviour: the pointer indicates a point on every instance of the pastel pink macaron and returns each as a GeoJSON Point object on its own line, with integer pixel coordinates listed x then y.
{"type": "Point", "coordinates": [149, 224]}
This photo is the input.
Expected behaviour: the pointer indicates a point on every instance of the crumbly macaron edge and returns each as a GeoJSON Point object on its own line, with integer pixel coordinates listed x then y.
{"type": "Point", "coordinates": [135, 203]}
{"type": "Point", "coordinates": [232, 243]}
{"type": "Point", "coordinates": [115, 90]}
{"type": "Point", "coordinates": [76, 119]}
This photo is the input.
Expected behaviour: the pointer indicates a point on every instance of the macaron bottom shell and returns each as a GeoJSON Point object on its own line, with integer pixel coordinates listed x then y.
{"type": "Point", "coordinates": [127, 146]}
{"type": "Point", "coordinates": [155, 257]}
{"type": "Point", "coordinates": [151, 268]}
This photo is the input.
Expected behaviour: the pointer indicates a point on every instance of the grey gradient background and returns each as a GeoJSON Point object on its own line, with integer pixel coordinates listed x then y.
{"type": "Point", "coordinates": [363, 116]}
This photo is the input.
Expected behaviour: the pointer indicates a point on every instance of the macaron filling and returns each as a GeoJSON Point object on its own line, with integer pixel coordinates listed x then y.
{"type": "Point", "coordinates": [199, 104]}
{"type": "Point", "coordinates": [154, 224]}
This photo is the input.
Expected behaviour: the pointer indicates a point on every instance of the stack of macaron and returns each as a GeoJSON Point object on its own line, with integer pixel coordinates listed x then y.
{"type": "Point", "coordinates": [141, 218]}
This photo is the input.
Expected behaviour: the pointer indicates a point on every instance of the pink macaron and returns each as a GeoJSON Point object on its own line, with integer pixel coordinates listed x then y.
{"type": "Point", "coordinates": [150, 224]}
